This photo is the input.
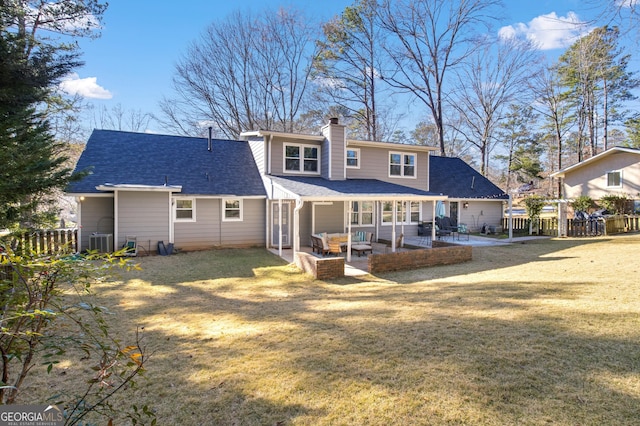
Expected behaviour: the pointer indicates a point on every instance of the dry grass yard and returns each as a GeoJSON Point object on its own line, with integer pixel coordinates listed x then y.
{"type": "Point", "coordinates": [546, 332]}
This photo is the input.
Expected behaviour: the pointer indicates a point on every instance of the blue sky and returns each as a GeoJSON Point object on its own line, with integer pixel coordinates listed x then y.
{"type": "Point", "coordinates": [133, 61]}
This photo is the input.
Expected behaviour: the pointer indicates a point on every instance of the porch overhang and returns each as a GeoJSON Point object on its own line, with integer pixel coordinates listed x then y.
{"type": "Point", "coordinates": [319, 190]}
{"type": "Point", "coordinates": [315, 189]}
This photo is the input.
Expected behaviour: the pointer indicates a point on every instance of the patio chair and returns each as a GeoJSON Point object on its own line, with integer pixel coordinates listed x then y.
{"type": "Point", "coordinates": [444, 227]}
{"type": "Point", "coordinates": [362, 243]}
{"type": "Point", "coordinates": [318, 245]}
{"type": "Point", "coordinates": [131, 245]}
{"type": "Point", "coordinates": [463, 230]}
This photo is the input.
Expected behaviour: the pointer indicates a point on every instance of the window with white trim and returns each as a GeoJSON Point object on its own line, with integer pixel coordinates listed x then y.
{"type": "Point", "coordinates": [184, 210]}
{"type": "Point", "coordinates": [387, 212]}
{"type": "Point", "coordinates": [614, 179]}
{"type": "Point", "coordinates": [402, 165]}
{"type": "Point", "coordinates": [414, 212]}
{"type": "Point", "coordinates": [232, 210]}
{"type": "Point", "coordinates": [361, 213]}
{"type": "Point", "coordinates": [407, 213]}
{"type": "Point", "coordinates": [302, 159]}
{"type": "Point", "coordinates": [353, 158]}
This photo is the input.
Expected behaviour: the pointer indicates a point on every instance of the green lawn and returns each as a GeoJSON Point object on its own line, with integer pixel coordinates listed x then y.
{"type": "Point", "coordinates": [545, 332]}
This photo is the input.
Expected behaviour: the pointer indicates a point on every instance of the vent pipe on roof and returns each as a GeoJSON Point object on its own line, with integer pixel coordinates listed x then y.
{"type": "Point", "coordinates": [210, 131]}
{"type": "Point", "coordinates": [473, 181]}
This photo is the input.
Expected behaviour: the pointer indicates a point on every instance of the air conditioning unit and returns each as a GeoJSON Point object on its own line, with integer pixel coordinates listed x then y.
{"type": "Point", "coordinates": [100, 242]}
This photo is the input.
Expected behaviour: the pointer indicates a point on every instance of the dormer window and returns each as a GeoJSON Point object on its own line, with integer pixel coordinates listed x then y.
{"type": "Point", "coordinates": [300, 158]}
{"type": "Point", "coordinates": [402, 165]}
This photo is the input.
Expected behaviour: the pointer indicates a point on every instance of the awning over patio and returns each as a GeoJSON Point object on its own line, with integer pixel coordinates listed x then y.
{"type": "Point", "coordinates": [317, 189]}
{"type": "Point", "coordinates": [320, 189]}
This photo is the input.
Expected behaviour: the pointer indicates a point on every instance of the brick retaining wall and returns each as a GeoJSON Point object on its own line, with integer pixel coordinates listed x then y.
{"type": "Point", "coordinates": [442, 253]}
{"type": "Point", "coordinates": [321, 268]}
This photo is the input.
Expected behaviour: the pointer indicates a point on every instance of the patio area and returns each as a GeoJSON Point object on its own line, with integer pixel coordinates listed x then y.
{"type": "Point", "coordinates": [359, 265]}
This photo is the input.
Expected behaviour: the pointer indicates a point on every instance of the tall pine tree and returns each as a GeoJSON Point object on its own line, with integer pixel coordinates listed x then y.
{"type": "Point", "coordinates": [30, 158]}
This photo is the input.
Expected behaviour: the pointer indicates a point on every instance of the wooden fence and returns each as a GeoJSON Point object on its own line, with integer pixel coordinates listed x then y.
{"type": "Point", "coordinates": [576, 228]}
{"type": "Point", "coordinates": [56, 241]}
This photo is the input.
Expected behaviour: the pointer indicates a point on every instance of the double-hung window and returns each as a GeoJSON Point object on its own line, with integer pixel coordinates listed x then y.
{"type": "Point", "coordinates": [414, 212]}
{"type": "Point", "coordinates": [232, 210]}
{"type": "Point", "coordinates": [361, 213]}
{"type": "Point", "coordinates": [614, 179]}
{"type": "Point", "coordinates": [185, 210]}
{"type": "Point", "coordinates": [405, 213]}
{"type": "Point", "coordinates": [302, 159]}
{"type": "Point", "coordinates": [353, 158]}
{"type": "Point", "coordinates": [402, 165]}
{"type": "Point", "coordinates": [387, 212]}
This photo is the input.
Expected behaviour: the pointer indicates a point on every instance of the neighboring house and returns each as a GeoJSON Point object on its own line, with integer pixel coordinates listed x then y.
{"type": "Point", "coordinates": [615, 171]}
{"type": "Point", "coordinates": [168, 188]}
{"type": "Point", "coordinates": [271, 189]}
{"type": "Point", "coordinates": [473, 199]}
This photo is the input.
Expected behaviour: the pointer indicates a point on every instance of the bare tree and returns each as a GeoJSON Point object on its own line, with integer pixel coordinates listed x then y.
{"type": "Point", "coordinates": [285, 52]}
{"type": "Point", "coordinates": [491, 80]}
{"type": "Point", "coordinates": [119, 118]}
{"type": "Point", "coordinates": [347, 69]}
{"type": "Point", "coordinates": [244, 73]}
{"type": "Point", "coordinates": [428, 39]}
{"type": "Point", "coordinates": [553, 104]}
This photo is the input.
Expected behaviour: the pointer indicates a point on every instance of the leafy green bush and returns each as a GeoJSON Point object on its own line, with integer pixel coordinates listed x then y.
{"type": "Point", "coordinates": [583, 203]}
{"type": "Point", "coordinates": [616, 204]}
{"type": "Point", "coordinates": [36, 293]}
{"type": "Point", "coordinates": [534, 204]}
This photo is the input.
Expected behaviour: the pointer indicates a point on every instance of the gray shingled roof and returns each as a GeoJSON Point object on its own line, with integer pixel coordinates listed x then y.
{"type": "Point", "coordinates": [320, 187]}
{"type": "Point", "coordinates": [455, 178]}
{"type": "Point", "coordinates": [147, 159]}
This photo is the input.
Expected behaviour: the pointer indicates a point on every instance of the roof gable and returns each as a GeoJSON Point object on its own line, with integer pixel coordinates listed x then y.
{"type": "Point", "coordinates": [127, 158]}
{"type": "Point", "coordinates": [596, 158]}
{"type": "Point", "coordinates": [455, 178]}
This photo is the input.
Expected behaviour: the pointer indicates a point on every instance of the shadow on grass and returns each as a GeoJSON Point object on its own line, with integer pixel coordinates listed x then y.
{"type": "Point", "coordinates": [488, 258]}
{"type": "Point", "coordinates": [482, 351]}
{"type": "Point", "coordinates": [255, 342]}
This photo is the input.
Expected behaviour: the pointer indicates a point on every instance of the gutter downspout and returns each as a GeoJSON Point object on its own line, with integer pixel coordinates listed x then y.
{"type": "Point", "coordinates": [268, 222]}
{"type": "Point", "coordinates": [115, 219]}
{"type": "Point", "coordinates": [171, 224]}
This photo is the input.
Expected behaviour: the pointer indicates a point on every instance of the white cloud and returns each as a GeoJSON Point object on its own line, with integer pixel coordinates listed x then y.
{"type": "Point", "coordinates": [85, 87]}
{"type": "Point", "coordinates": [548, 31]}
